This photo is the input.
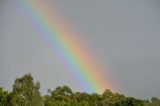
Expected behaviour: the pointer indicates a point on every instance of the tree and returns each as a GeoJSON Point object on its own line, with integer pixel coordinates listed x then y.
{"type": "Point", "coordinates": [155, 101]}
{"type": "Point", "coordinates": [108, 98]}
{"type": "Point", "coordinates": [61, 96]}
{"type": "Point", "coordinates": [3, 97]}
{"type": "Point", "coordinates": [65, 91]}
{"type": "Point", "coordinates": [26, 92]}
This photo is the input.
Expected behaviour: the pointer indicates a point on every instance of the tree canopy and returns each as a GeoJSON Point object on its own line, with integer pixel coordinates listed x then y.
{"type": "Point", "coordinates": [26, 92]}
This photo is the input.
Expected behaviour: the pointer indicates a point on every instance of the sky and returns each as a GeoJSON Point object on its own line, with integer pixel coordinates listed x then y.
{"type": "Point", "coordinates": [122, 35]}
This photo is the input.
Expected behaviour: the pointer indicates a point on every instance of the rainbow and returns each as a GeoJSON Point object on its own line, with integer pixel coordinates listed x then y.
{"type": "Point", "coordinates": [61, 40]}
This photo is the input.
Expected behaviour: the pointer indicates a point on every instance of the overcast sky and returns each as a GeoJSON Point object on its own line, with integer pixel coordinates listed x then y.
{"type": "Point", "coordinates": [123, 34]}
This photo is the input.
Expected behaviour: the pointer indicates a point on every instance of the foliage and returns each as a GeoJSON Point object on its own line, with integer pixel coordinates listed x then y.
{"type": "Point", "coordinates": [3, 97]}
{"type": "Point", "coordinates": [26, 93]}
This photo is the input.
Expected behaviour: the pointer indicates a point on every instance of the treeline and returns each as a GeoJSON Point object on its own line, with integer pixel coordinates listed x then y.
{"type": "Point", "coordinates": [26, 92]}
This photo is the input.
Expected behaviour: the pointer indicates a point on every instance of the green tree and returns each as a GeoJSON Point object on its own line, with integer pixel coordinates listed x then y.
{"type": "Point", "coordinates": [108, 98]}
{"type": "Point", "coordinates": [26, 92]}
{"type": "Point", "coordinates": [65, 91]}
{"type": "Point", "coordinates": [61, 96]}
{"type": "Point", "coordinates": [130, 101]}
{"type": "Point", "coordinates": [3, 97]}
{"type": "Point", "coordinates": [155, 102]}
